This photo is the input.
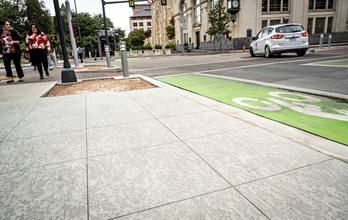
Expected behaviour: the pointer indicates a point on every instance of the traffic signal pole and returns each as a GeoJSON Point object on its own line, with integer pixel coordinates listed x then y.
{"type": "Point", "coordinates": [68, 74]}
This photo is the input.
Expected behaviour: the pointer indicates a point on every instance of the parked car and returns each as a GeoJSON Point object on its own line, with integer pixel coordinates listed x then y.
{"type": "Point", "coordinates": [278, 39]}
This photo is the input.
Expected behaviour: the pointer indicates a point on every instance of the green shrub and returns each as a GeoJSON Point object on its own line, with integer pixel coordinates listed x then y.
{"type": "Point", "coordinates": [170, 45]}
{"type": "Point", "coordinates": [158, 46]}
{"type": "Point", "coordinates": [147, 47]}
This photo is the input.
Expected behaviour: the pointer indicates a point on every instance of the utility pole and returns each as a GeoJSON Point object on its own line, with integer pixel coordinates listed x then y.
{"type": "Point", "coordinates": [106, 46]}
{"type": "Point", "coordinates": [68, 74]}
{"type": "Point", "coordinates": [72, 37]}
{"type": "Point", "coordinates": [77, 19]}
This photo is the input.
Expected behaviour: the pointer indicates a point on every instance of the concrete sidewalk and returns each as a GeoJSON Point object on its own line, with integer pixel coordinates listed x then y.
{"type": "Point", "coordinates": [159, 153]}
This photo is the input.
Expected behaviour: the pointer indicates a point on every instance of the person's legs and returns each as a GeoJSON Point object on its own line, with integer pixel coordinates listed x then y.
{"type": "Point", "coordinates": [49, 61]}
{"type": "Point", "coordinates": [39, 68]}
{"type": "Point", "coordinates": [7, 63]}
{"type": "Point", "coordinates": [17, 63]}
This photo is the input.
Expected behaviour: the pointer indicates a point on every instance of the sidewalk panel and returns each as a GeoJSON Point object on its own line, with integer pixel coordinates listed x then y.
{"type": "Point", "coordinates": [202, 124]}
{"type": "Point", "coordinates": [225, 204]}
{"type": "Point", "coordinates": [241, 160]}
{"type": "Point", "coordinates": [49, 192]}
{"type": "Point", "coordinates": [34, 152]}
{"type": "Point", "coordinates": [112, 139]}
{"type": "Point", "coordinates": [314, 192]}
{"type": "Point", "coordinates": [132, 181]}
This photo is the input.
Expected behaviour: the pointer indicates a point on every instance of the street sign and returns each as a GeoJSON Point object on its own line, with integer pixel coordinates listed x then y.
{"type": "Point", "coordinates": [151, 1]}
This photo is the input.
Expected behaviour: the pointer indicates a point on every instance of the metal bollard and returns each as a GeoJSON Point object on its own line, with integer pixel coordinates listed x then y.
{"type": "Point", "coordinates": [329, 41]}
{"type": "Point", "coordinates": [321, 41]}
{"type": "Point", "coordinates": [124, 59]}
{"type": "Point", "coordinates": [107, 54]}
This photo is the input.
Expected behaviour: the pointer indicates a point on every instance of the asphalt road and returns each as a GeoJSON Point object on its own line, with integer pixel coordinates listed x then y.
{"type": "Point", "coordinates": [287, 70]}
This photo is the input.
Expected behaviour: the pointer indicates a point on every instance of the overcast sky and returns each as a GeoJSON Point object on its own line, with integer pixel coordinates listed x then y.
{"type": "Point", "coordinates": [118, 13]}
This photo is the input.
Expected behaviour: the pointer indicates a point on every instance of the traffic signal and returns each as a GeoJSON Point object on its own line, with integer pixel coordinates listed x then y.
{"type": "Point", "coordinates": [163, 2]}
{"type": "Point", "coordinates": [131, 3]}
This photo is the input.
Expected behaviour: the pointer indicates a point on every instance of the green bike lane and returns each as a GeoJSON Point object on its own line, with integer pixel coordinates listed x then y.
{"type": "Point", "coordinates": [322, 116]}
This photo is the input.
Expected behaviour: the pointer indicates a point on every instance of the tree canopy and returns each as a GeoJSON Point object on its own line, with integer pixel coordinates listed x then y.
{"type": "Point", "coordinates": [218, 20]}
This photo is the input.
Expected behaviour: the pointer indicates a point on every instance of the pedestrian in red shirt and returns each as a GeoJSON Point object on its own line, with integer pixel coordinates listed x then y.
{"type": "Point", "coordinates": [38, 45]}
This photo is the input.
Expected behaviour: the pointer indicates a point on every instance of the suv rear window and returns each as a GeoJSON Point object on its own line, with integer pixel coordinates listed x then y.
{"type": "Point", "coordinates": [289, 29]}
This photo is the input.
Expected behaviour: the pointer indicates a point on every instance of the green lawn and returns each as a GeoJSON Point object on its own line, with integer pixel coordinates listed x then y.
{"type": "Point", "coordinates": [322, 116]}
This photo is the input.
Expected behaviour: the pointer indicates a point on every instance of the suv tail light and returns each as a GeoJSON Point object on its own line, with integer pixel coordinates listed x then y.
{"type": "Point", "coordinates": [305, 33]}
{"type": "Point", "coordinates": [277, 36]}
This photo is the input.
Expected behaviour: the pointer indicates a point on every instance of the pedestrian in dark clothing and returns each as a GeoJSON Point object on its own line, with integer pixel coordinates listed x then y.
{"type": "Point", "coordinates": [80, 53]}
{"type": "Point", "coordinates": [10, 41]}
{"type": "Point", "coordinates": [38, 45]}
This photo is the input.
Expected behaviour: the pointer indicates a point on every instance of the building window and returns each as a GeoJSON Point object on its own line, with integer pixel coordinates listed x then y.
{"type": "Point", "coordinates": [285, 5]}
{"type": "Point", "coordinates": [264, 5]}
{"type": "Point", "coordinates": [330, 4]}
{"type": "Point", "coordinates": [321, 4]}
{"type": "Point", "coordinates": [275, 5]}
{"type": "Point", "coordinates": [141, 24]}
{"type": "Point", "coordinates": [329, 24]}
{"type": "Point", "coordinates": [274, 22]}
{"type": "Point", "coordinates": [319, 25]}
{"type": "Point", "coordinates": [311, 5]}
{"type": "Point", "coordinates": [148, 24]}
{"type": "Point", "coordinates": [197, 11]}
{"type": "Point", "coordinates": [213, 3]}
{"type": "Point", "coordinates": [310, 25]}
{"type": "Point", "coordinates": [135, 24]}
{"type": "Point", "coordinates": [285, 20]}
{"type": "Point", "coordinates": [264, 23]}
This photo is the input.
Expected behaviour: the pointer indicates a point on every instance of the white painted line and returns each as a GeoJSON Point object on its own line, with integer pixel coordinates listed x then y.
{"type": "Point", "coordinates": [267, 64]}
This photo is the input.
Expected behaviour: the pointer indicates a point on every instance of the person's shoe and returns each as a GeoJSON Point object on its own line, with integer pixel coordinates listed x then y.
{"type": "Point", "coordinates": [41, 76]}
{"type": "Point", "coordinates": [10, 81]}
{"type": "Point", "coordinates": [51, 67]}
{"type": "Point", "coordinates": [20, 80]}
{"type": "Point", "coordinates": [47, 74]}
{"type": "Point", "coordinates": [34, 68]}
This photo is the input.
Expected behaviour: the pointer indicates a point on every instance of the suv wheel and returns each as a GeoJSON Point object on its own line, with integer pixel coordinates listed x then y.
{"type": "Point", "coordinates": [267, 52]}
{"type": "Point", "coordinates": [301, 53]}
{"type": "Point", "coordinates": [252, 52]}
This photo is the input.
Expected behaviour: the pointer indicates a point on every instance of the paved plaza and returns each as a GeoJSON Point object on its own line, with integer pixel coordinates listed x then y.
{"type": "Point", "coordinates": [160, 153]}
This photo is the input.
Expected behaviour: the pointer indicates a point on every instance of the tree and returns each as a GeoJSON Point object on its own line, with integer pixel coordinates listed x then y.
{"type": "Point", "coordinates": [120, 34]}
{"type": "Point", "coordinates": [36, 12]}
{"type": "Point", "coordinates": [136, 39]}
{"type": "Point", "coordinates": [218, 20]}
{"type": "Point", "coordinates": [170, 29]}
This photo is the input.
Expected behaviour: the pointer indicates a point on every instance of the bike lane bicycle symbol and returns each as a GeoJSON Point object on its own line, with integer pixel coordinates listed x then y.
{"type": "Point", "coordinates": [301, 104]}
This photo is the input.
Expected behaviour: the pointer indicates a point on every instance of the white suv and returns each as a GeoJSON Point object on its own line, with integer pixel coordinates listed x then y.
{"type": "Point", "coordinates": [282, 38]}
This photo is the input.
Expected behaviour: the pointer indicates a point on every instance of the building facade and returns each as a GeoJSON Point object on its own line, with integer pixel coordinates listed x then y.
{"type": "Point", "coordinates": [317, 16]}
{"type": "Point", "coordinates": [141, 19]}
{"type": "Point", "coordinates": [161, 16]}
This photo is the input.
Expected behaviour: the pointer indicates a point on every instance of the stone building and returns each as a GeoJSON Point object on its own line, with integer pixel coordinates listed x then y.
{"type": "Point", "coordinates": [317, 16]}
{"type": "Point", "coordinates": [141, 19]}
{"type": "Point", "coordinates": [161, 16]}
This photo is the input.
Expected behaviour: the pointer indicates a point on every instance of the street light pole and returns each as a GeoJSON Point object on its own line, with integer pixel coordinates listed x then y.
{"type": "Point", "coordinates": [107, 51]}
{"type": "Point", "coordinates": [68, 74]}
{"type": "Point", "coordinates": [77, 19]}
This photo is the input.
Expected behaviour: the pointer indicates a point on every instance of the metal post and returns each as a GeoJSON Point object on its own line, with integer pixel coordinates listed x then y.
{"type": "Point", "coordinates": [72, 37]}
{"type": "Point", "coordinates": [107, 52]}
{"type": "Point", "coordinates": [78, 23]}
{"type": "Point", "coordinates": [68, 74]}
{"type": "Point", "coordinates": [321, 41]}
{"type": "Point", "coordinates": [124, 59]}
{"type": "Point", "coordinates": [55, 58]}
{"type": "Point", "coordinates": [181, 32]}
{"type": "Point", "coordinates": [329, 41]}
